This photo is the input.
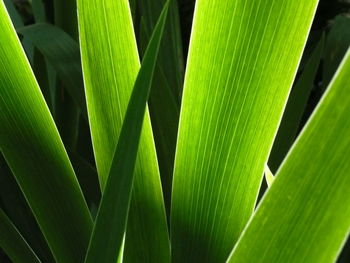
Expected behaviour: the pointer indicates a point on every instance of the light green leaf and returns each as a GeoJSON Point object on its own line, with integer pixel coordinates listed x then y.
{"type": "Point", "coordinates": [242, 61]}
{"type": "Point", "coordinates": [13, 243]}
{"type": "Point", "coordinates": [304, 217]}
{"type": "Point", "coordinates": [295, 108]}
{"type": "Point", "coordinates": [33, 149]}
{"type": "Point", "coordinates": [110, 66]}
{"type": "Point", "coordinates": [268, 176]}
{"type": "Point", "coordinates": [108, 234]}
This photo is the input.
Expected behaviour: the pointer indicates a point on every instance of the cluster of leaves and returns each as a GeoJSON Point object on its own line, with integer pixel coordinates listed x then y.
{"type": "Point", "coordinates": [193, 181]}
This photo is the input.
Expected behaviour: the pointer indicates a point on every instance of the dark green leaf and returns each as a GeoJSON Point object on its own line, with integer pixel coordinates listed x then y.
{"type": "Point", "coordinates": [34, 151]}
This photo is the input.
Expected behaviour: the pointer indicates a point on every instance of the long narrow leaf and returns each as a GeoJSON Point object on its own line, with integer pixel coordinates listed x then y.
{"type": "Point", "coordinates": [164, 101]}
{"type": "Point", "coordinates": [112, 215]}
{"type": "Point", "coordinates": [242, 61]}
{"type": "Point", "coordinates": [32, 147]}
{"type": "Point", "coordinates": [295, 108]}
{"type": "Point", "coordinates": [16, 208]}
{"type": "Point", "coordinates": [305, 216]}
{"type": "Point", "coordinates": [110, 66]}
{"type": "Point", "coordinates": [13, 243]}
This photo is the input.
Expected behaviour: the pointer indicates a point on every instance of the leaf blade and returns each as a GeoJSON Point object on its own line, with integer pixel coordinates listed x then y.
{"type": "Point", "coordinates": [309, 197]}
{"type": "Point", "coordinates": [63, 54]}
{"type": "Point", "coordinates": [242, 61]}
{"type": "Point", "coordinates": [13, 243]}
{"type": "Point", "coordinates": [165, 97]}
{"type": "Point", "coordinates": [110, 225]}
{"type": "Point", "coordinates": [31, 145]}
{"type": "Point", "coordinates": [295, 108]}
{"type": "Point", "coordinates": [110, 66]}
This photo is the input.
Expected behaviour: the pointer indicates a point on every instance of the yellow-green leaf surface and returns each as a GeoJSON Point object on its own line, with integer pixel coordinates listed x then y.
{"type": "Point", "coordinates": [305, 216]}
{"type": "Point", "coordinates": [12, 242]}
{"type": "Point", "coordinates": [242, 61]}
{"type": "Point", "coordinates": [108, 234]}
{"type": "Point", "coordinates": [110, 66]}
{"type": "Point", "coordinates": [297, 102]}
{"type": "Point", "coordinates": [34, 151]}
{"type": "Point", "coordinates": [268, 176]}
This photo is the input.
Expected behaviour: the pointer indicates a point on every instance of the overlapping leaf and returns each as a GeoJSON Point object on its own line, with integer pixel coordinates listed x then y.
{"type": "Point", "coordinates": [110, 65]}
{"type": "Point", "coordinates": [242, 61]}
{"type": "Point", "coordinates": [297, 101]}
{"type": "Point", "coordinates": [164, 102]}
{"type": "Point", "coordinates": [34, 151]}
{"type": "Point", "coordinates": [13, 243]}
{"type": "Point", "coordinates": [304, 217]}
{"type": "Point", "coordinates": [107, 238]}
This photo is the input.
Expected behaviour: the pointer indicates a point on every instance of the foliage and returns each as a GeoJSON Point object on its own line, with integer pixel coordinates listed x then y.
{"type": "Point", "coordinates": [113, 149]}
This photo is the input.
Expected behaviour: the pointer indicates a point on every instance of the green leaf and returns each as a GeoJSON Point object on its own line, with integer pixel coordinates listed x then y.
{"type": "Point", "coordinates": [164, 101]}
{"type": "Point", "coordinates": [34, 151]}
{"type": "Point", "coordinates": [18, 22]}
{"type": "Point", "coordinates": [242, 61]}
{"type": "Point", "coordinates": [268, 176]}
{"type": "Point", "coordinates": [170, 61]}
{"type": "Point", "coordinates": [39, 11]}
{"type": "Point", "coordinates": [337, 43]}
{"type": "Point", "coordinates": [15, 17]}
{"type": "Point", "coordinates": [13, 243]}
{"type": "Point", "coordinates": [295, 108]}
{"type": "Point", "coordinates": [304, 217]}
{"type": "Point", "coordinates": [16, 208]}
{"type": "Point", "coordinates": [62, 52]}
{"type": "Point", "coordinates": [110, 66]}
{"type": "Point", "coordinates": [108, 234]}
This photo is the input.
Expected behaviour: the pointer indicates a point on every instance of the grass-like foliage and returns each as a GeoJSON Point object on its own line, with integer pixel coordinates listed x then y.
{"type": "Point", "coordinates": [113, 149]}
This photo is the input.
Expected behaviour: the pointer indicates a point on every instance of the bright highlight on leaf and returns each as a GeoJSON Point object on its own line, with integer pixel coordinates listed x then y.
{"type": "Point", "coordinates": [268, 176]}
